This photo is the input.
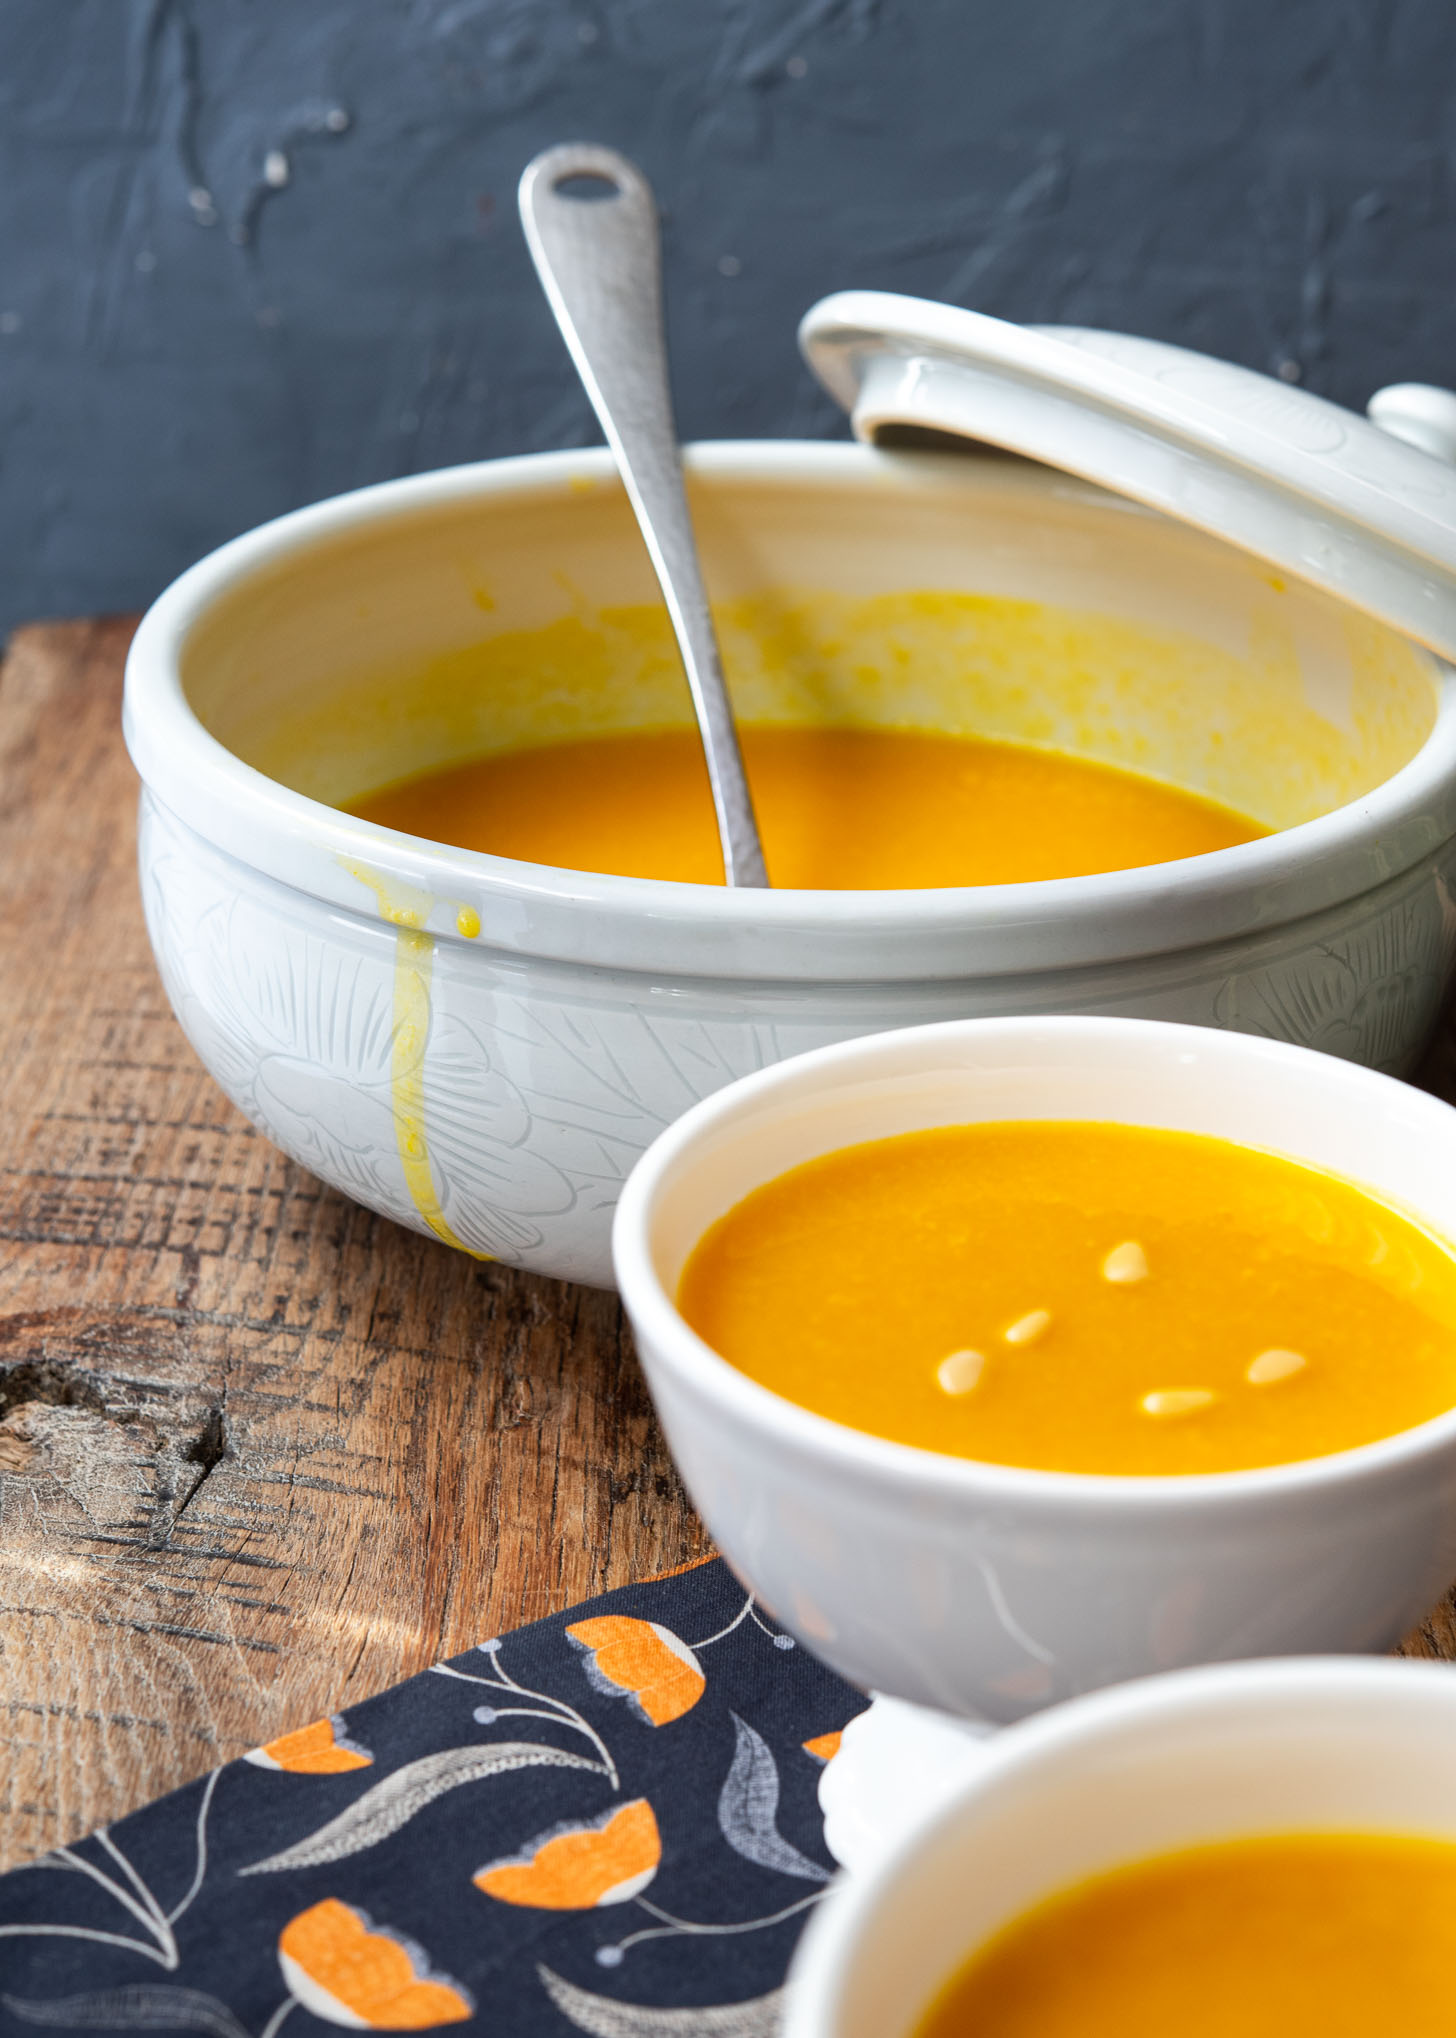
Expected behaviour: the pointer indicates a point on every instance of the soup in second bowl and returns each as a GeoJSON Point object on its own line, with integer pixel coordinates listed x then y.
{"type": "Point", "coordinates": [1334, 1933]}
{"type": "Point", "coordinates": [1082, 1297]}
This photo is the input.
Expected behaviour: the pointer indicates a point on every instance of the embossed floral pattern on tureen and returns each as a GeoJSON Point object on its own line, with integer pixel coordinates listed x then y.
{"type": "Point", "coordinates": [500, 1102]}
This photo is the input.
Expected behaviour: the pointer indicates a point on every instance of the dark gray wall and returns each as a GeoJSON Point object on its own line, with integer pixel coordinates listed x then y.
{"type": "Point", "coordinates": [187, 348]}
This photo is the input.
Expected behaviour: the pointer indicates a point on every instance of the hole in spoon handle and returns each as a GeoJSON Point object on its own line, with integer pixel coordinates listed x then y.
{"type": "Point", "coordinates": [585, 185]}
{"type": "Point", "coordinates": [600, 267]}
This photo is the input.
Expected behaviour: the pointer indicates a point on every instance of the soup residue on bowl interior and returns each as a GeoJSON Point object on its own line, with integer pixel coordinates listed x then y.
{"type": "Point", "coordinates": [1335, 1933]}
{"type": "Point", "coordinates": [1082, 1297]}
{"type": "Point", "coordinates": [838, 809]}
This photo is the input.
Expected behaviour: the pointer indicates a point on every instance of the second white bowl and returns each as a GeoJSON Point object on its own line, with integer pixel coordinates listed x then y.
{"type": "Point", "coordinates": [1184, 1761]}
{"type": "Point", "coordinates": [990, 1590]}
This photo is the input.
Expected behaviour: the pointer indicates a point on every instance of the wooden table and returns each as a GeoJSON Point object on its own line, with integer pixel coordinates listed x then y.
{"type": "Point", "coordinates": [261, 1452]}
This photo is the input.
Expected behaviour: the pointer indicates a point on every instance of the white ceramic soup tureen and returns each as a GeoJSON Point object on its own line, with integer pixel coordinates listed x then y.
{"type": "Point", "coordinates": [481, 1048]}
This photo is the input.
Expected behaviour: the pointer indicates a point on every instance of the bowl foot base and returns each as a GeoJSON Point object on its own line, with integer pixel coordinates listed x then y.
{"type": "Point", "coordinates": [895, 1763]}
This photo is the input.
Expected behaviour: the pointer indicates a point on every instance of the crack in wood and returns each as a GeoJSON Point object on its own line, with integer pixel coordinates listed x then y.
{"type": "Point", "coordinates": [207, 1451]}
{"type": "Point", "coordinates": [180, 1633]}
{"type": "Point", "coordinates": [146, 1548]}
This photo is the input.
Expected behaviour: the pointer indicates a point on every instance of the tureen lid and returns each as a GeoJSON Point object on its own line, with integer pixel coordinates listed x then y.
{"type": "Point", "coordinates": [1314, 489]}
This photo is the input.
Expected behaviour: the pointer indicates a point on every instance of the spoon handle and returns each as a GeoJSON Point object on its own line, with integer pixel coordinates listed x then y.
{"type": "Point", "coordinates": [599, 264]}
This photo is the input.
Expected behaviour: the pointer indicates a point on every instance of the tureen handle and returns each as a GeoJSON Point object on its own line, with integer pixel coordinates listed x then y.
{"type": "Point", "coordinates": [1420, 413]}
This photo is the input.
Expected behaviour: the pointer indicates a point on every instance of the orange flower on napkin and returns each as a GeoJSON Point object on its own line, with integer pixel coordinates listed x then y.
{"type": "Point", "coordinates": [642, 1661]}
{"type": "Point", "coordinates": [320, 1749]}
{"type": "Point", "coordinates": [575, 1868]}
{"type": "Point", "coordinates": [345, 1969]}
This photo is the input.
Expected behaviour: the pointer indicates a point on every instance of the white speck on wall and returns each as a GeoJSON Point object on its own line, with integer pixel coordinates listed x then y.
{"type": "Point", "coordinates": [797, 67]}
{"type": "Point", "coordinates": [729, 265]}
{"type": "Point", "coordinates": [337, 120]}
{"type": "Point", "coordinates": [10, 321]}
{"type": "Point", "coordinates": [203, 209]}
{"type": "Point", "coordinates": [1290, 371]}
{"type": "Point", "coordinates": [146, 261]}
{"type": "Point", "coordinates": [276, 169]}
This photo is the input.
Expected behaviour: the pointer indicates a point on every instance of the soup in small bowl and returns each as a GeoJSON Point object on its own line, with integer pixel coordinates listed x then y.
{"type": "Point", "coordinates": [1076, 1296]}
{"type": "Point", "coordinates": [1260, 1848]}
{"type": "Point", "coordinates": [428, 864]}
{"type": "Point", "coordinates": [1010, 1358]}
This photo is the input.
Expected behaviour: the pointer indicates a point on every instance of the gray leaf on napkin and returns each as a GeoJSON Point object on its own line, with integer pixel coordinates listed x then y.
{"type": "Point", "coordinates": [760, 2017]}
{"type": "Point", "coordinates": [748, 1806]}
{"type": "Point", "coordinates": [392, 1803]}
{"type": "Point", "coordinates": [145, 2006]}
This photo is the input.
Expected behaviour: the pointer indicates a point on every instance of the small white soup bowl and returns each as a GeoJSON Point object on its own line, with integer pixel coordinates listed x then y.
{"type": "Point", "coordinates": [1191, 1759]}
{"type": "Point", "coordinates": [989, 1590]}
{"type": "Point", "coordinates": [480, 1048]}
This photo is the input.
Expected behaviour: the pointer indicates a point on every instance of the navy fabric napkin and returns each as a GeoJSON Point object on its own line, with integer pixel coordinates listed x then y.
{"type": "Point", "coordinates": [606, 1822]}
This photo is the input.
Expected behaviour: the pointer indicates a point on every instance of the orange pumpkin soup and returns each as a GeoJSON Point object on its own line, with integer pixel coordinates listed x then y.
{"type": "Point", "coordinates": [1082, 1298]}
{"type": "Point", "coordinates": [838, 809]}
{"type": "Point", "coordinates": [1334, 1933]}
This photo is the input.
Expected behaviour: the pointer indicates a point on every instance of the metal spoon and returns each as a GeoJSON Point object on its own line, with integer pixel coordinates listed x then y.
{"type": "Point", "coordinates": [599, 263]}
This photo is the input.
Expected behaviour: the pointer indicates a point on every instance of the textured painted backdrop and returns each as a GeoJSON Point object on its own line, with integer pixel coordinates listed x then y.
{"type": "Point", "coordinates": [256, 251]}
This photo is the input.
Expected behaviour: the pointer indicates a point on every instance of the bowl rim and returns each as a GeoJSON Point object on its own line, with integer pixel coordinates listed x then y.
{"type": "Point", "coordinates": [909, 1471]}
{"type": "Point", "coordinates": [824, 1956]}
{"type": "Point", "coordinates": [634, 923]}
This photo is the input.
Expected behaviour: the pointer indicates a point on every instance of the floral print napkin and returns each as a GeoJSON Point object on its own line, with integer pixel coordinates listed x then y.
{"type": "Point", "coordinates": [606, 1822]}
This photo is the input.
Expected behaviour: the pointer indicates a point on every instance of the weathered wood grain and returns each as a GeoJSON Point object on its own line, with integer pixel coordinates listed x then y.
{"type": "Point", "coordinates": [261, 1452]}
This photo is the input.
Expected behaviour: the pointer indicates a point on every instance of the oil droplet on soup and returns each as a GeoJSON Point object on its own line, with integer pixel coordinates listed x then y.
{"type": "Point", "coordinates": [1338, 1934]}
{"type": "Point", "coordinates": [838, 809]}
{"type": "Point", "coordinates": [951, 1289]}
